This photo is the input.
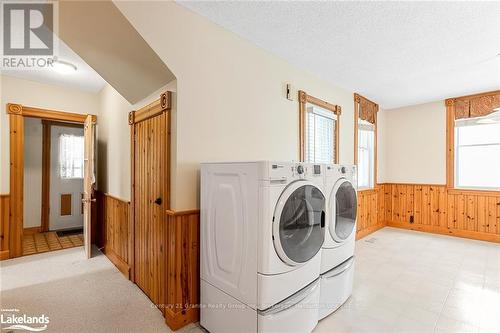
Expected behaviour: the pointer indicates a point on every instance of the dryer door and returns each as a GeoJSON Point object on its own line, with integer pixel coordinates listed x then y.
{"type": "Point", "coordinates": [299, 223]}
{"type": "Point", "coordinates": [343, 208]}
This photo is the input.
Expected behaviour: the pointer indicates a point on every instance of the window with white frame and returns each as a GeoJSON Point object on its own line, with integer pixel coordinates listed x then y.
{"type": "Point", "coordinates": [71, 156]}
{"type": "Point", "coordinates": [320, 135]}
{"type": "Point", "coordinates": [477, 153]}
{"type": "Point", "coordinates": [366, 154]}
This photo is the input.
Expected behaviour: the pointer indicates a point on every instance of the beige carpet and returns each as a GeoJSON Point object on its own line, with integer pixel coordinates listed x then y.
{"type": "Point", "coordinates": [77, 295]}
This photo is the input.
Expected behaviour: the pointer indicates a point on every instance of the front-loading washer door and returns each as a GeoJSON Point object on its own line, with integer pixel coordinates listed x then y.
{"type": "Point", "coordinates": [343, 209]}
{"type": "Point", "coordinates": [299, 223]}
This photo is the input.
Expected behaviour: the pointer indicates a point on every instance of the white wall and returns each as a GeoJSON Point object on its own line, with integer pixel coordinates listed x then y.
{"type": "Point", "coordinates": [32, 172]}
{"type": "Point", "coordinates": [114, 139]}
{"type": "Point", "coordinates": [412, 144]}
{"type": "Point", "coordinates": [230, 95]}
{"type": "Point", "coordinates": [30, 93]}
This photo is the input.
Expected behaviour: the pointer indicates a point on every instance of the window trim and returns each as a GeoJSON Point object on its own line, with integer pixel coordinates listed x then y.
{"type": "Point", "coordinates": [450, 146]}
{"type": "Point", "coordinates": [304, 98]}
{"type": "Point", "coordinates": [357, 99]}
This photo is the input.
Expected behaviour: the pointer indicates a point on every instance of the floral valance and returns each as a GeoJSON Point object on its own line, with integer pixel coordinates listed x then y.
{"type": "Point", "coordinates": [475, 106]}
{"type": "Point", "coordinates": [367, 109]}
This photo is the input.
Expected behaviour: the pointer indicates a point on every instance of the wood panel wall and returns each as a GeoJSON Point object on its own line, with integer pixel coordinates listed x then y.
{"type": "Point", "coordinates": [370, 206]}
{"type": "Point", "coordinates": [433, 208]}
{"type": "Point", "coordinates": [182, 237]}
{"type": "Point", "coordinates": [113, 230]}
{"type": "Point", "coordinates": [4, 226]}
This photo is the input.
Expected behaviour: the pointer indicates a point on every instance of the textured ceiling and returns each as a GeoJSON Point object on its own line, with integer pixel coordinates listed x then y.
{"type": "Point", "coordinates": [395, 53]}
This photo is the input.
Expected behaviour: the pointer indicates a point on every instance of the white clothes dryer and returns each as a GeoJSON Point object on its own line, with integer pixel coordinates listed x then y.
{"type": "Point", "coordinates": [337, 254]}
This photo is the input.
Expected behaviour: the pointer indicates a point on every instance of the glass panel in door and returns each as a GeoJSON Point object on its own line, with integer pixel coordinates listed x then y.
{"type": "Point", "coordinates": [345, 210]}
{"type": "Point", "coordinates": [301, 228]}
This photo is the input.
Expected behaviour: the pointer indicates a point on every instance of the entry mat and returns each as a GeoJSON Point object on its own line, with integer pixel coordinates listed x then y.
{"type": "Point", "coordinates": [69, 232]}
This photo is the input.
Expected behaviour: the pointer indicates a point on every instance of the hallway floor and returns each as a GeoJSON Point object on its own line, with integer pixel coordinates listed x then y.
{"type": "Point", "coordinates": [405, 281]}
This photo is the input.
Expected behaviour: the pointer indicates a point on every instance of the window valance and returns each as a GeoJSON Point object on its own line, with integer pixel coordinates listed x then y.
{"type": "Point", "coordinates": [475, 105]}
{"type": "Point", "coordinates": [367, 109]}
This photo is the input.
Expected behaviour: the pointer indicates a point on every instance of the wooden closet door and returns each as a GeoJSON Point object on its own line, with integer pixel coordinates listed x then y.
{"type": "Point", "coordinates": [150, 167]}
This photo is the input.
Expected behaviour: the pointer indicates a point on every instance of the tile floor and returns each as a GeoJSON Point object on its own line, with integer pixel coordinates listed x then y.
{"type": "Point", "coordinates": [405, 281]}
{"type": "Point", "coordinates": [408, 281]}
{"type": "Point", "coordinates": [49, 241]}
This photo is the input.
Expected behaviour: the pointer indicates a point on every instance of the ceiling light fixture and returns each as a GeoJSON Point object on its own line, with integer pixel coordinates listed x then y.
{"type": "Point", "coordinates": [64, 67]}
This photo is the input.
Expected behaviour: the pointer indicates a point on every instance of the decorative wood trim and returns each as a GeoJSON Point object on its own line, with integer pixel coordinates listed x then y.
{"type": "Point", "coordinates": [153, 109]}
{"type": "Point", "coordinates": [450, 144]}
{"type": "Point", "coordinates": [17, 112]}
{"type": "Point", "coordinates": [14, 108]}
{"type": "Point", "coordinates": [413, 184]}
{"type": "Point", "coordinates": [122, 266]}
{"type": "Point", "coordinates": [131, 222]}
{"type": "Point", "coordinates": [357, 99]}
{"type": "Point", "coordinates": [113, 226]}
{"type": "Point", "coordinates": [472, 192]}
{"type": "Point", "coordinates": [452, 100]}
{"type": "Point", "coordinates": [370, 230]}
{"type": "Point", "coordinates": [4, 226]}
{"type": "Point", "coordinates": [131, 117]}
{"type": "Point", "coordinates": [32, 112]}
{"type": "Point", "coordinates": [4, 255]}
{"type": "Point", "coordinates": [182, 212]}
{"type": "Point", "coordinates": [182, 238]}
{"type": "Point", "coordinates": [32, 230]}
{"type": "Point", "coordinates": [445, 231]}
{"type": "Point", "coordinates": [16, 184]}
{"type": "Point", "coordinates": [433, 208]}
{"type": "Point", "coordinates": [46, 141]}
{"type": "Point", "coordinates": [336, 109]}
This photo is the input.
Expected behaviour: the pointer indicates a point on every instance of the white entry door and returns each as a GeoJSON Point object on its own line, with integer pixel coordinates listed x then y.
{"type": "Point", "coordinates": [66, 177]}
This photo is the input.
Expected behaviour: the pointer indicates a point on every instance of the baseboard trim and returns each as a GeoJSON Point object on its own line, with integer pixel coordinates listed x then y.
{"type": "Point", "coordinates": [4, 255]}
{"type": "Point", "coordinates": [446, 231]}
{"type": "Point", "coordinates": [177, 320]}
{"type": "Point", "coordinates": [118, 262]}
{"type": "Point", "coordinates": [365, 232]}
{"type": "Point", "coordinates": [32, 230]}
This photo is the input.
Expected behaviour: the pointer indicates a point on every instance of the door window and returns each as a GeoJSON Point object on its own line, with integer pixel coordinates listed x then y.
{"type": "Point", "coordinates": [345, 210]}
{"type": "Point", "coordinates": [301, 224]}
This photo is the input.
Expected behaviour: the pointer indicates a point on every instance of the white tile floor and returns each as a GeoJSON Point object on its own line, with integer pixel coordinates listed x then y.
{"type": "Point", "coordinates": [409, 281]}
{"type": "Point", "coordinates": [405, 281]}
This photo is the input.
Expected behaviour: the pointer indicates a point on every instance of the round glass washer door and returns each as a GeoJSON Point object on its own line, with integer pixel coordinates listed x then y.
{"type": "Point", "coordinates": [299, 223]}
{"type": "Point", "coordinates": [343, 208]}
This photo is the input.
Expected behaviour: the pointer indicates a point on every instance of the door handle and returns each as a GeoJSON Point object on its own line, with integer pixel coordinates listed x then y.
{"type": "Point", "coordinates": [88, 200]}
{"type": "Point", "coordinates": [158, 201]}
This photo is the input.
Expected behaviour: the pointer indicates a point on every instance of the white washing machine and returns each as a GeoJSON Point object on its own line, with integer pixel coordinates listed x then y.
{"type": "Point", "coordinates": [262, 229]}
{"type": "Point", "coordinates": [337, 253]}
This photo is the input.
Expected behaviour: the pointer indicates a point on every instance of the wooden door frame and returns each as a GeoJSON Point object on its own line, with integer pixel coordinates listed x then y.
{"type": "Point", "coordinates": [16, 113]}
{"type": "Point", "coordinates": [163, 104]}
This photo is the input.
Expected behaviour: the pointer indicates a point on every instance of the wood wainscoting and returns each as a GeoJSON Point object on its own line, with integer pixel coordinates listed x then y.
{"type": "Point", "coordinates": [113, 230]}
{"type": "Point", "coordinates": [182, 237]}
{"type": "Point", "coordinates": [436, 209]}
{"type": "Point", "coordinates": [370, 207]}
{"type": "Point", "coordinates": [4, 226]}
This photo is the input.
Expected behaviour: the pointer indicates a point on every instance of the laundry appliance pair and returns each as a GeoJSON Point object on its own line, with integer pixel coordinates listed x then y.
{"type": "Point", "coordinates": [277, 244]}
